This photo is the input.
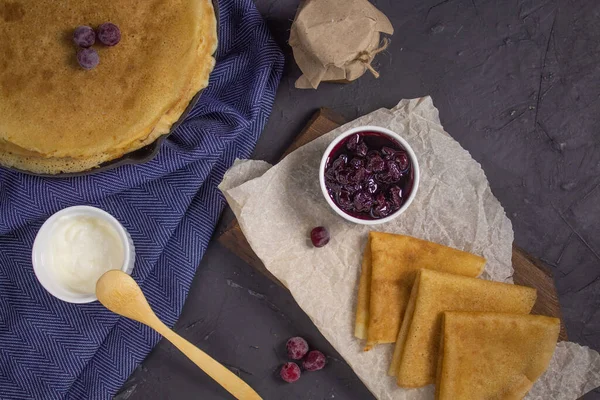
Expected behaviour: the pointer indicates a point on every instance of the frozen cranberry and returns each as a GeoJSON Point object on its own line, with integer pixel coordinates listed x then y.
{"type": "Point", "coordinates": [319, 237]}
{"type": "Point", "coordinates": [353, 142]}
{"type": "Point", "coordinates": [109, 34]}
{"type": "Point", "coordinates": [297, 346]}
{"type": "Point", "coordinates": [84, 36]}
{"type": "Point", "coordinates": [363, 202]}
{"type": "Point", "coordinates": [375, 163]}
{"type": "Point", "coordinates": [361, 149]}
{"type": "Point", "coordinates": [314, 361]}
{"type": "Point", "coordinates": [88, 58]}
{"type": "Point", "coordinates": [290, 372]}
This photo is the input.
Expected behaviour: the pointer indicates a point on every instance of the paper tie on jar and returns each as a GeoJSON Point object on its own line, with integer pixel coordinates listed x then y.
{"type": "Point", "coordinates": [337, 40]}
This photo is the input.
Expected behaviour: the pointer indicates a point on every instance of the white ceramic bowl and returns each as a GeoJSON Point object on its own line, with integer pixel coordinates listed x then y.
{"type": "Point", "coordinates": [45, 275]}
{"type": "Point", "coordinates": [395, 137]}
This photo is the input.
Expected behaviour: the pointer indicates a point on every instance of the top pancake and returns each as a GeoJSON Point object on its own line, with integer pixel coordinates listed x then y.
{"type": "Point", "coordinates": [493, 355]}
{"type": "Point", "coordinates": [394, 262]}
{"type": "Point", "coordinates": [52, 108]}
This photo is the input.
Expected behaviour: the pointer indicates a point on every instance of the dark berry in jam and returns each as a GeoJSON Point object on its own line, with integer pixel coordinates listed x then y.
{"type": "Point", "coordinates": [375, 163]}
{"type": "Point", "coordinates": [369, 175]}
{"type": "Point", "coordinates": [363, 201]}
{"type": "Point", "coordinates": [371, 186]}
{"type": "Point", "coordinates": [381, 208]}
{"type": "Point", "coordinates": [396, 196]}
{"type": "Point", "coordinates": [361, 149]}
{"type": "Point", "coordinates": [353, 142]}
{"type": "Point", "coordinates": [290, 372]}
{"type": "Point", "coordinates": [319, 237]}
{"type": "Point", "coordinates": [402, 160]}
{"type": "Point", "coordinates": [343, 199]}
{"type": "Point", "coordinates": [357, 163]}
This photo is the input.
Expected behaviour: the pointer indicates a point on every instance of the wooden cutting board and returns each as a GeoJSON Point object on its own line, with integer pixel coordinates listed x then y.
{"type": "Point", "coordinates": [528, 270]}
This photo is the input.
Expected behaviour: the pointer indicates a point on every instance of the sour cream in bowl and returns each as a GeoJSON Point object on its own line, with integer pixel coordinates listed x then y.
{"type": "Point", "coordinates": [75, 247]}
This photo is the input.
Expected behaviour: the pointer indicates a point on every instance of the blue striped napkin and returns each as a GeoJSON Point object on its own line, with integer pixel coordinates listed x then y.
{"type": "Point", "coordinates": [55, 350]}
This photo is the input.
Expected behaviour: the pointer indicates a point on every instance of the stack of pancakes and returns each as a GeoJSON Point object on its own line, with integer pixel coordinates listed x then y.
{"type": "Point", "coordinates": [57, 117]}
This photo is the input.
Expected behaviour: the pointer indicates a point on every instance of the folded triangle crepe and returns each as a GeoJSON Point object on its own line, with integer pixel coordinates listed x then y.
{"type": "Point", "coordinates": [416, 353]}
{"type": "Point", "coordinates": [389, 266]}
{"type": "Point", "coordinates": [493, 355]}
{"type": "Point", "coordinates": [364, 290]}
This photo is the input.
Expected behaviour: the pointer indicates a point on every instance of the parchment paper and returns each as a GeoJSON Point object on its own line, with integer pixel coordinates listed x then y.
{"type": "Point", "coordinates": [277, 207]}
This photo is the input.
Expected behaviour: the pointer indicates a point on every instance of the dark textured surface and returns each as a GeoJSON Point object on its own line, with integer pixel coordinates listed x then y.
{"type": "Point", "coordinates": [517, 83]}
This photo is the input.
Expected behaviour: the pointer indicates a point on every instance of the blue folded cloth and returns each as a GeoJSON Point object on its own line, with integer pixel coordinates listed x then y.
{"type": "Point", "coordinates": [50, 349]}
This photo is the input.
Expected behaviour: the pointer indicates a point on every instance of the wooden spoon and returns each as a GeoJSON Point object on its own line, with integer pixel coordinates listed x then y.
{"type": "Point", "coordinates": [118, 292]}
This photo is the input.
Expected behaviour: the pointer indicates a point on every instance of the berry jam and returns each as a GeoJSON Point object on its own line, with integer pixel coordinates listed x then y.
{"type": "Point", "coordinates": [369, 175]}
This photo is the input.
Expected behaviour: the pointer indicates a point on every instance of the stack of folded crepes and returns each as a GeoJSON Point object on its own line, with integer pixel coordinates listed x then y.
{"type": "Point", "coordinates": [473, 338]}
{"type": "Point", "coordinates": [57, 117]}
{"type": "Point", "coordinates": [389, 267]}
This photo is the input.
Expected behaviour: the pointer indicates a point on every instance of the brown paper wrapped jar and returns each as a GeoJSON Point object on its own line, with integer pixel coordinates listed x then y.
{"type": "Point", "coordinates": [336, 40]}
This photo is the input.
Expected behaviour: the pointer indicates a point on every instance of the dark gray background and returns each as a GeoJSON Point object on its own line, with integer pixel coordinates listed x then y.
{"type": "Point", "coordinates": [517, 83]}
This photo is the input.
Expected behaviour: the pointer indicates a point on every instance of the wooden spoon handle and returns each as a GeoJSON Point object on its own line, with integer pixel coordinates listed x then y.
{"type": "Point", "coordinates": [224, 377]}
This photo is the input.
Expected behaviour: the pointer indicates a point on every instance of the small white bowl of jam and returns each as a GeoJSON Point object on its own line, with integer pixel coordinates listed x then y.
{"type": "Point", "coordinates": [369, 175]}
{"type": "Point", "coordinates": [75, 247]}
